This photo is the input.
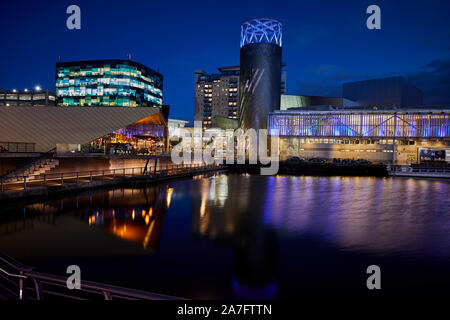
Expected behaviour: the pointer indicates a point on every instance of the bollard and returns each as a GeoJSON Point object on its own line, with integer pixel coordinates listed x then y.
{"type": "Point", "coordinates": [91, 175]}
{"type": "Point", "coordinates": [114, 173]}
{"type": "Point", "coordinates": [62, 178]}
{"type": "Point", "coordinates": [78, 176]}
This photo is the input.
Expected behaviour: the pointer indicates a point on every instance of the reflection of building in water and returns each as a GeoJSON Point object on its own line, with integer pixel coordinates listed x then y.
{"type": "Point", "coordinates": [138, 220]}
{"type": "Point", "coordinates": [12, 222]}
{"type": "Point", "coordinates": [135, 215]}
{"type": "Point", "coordinates": [238, 221]}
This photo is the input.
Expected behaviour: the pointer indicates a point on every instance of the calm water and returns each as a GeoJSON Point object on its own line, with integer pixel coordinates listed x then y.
{"type": "Point", "coordinates": [244, 236]}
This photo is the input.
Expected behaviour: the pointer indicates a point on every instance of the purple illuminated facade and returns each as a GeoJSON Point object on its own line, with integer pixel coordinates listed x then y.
{"type": "Point", "coordinates": [131, 131]}
{"type": "Point", "coordinates": [361, 124]}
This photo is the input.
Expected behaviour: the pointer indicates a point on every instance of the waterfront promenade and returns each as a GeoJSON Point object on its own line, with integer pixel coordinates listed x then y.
{"type": "Point", "coordinates": [56, 183]}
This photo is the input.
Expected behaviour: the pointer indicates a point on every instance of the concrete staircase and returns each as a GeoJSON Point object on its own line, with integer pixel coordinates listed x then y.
{"type": "Point", "coordinates": [32, 170]}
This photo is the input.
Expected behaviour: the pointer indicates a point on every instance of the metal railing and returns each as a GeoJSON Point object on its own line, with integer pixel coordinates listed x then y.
{"type": "Point", "coordinates": [21, 282]}
{"type": "Point", "coordinates": [17, 147]}
{"type": "Point", "coordinates": [52, 179]}
{"type": "Point", "coordinates": [415, 169]}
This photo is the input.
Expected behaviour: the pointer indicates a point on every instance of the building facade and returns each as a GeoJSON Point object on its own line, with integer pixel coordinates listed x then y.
{"type": "Point", "coordinates": [385, 92]}
{"type": "Point", "coordinates": [217, 95]}
{"type": "Point", "coordinates": [122, 83]}
{"type": "Point", "coordinates": [289, 101]}
{"type": "Point", "coordinates": [27, 97]}
{"type": "Point", "coordinates": [175, 129]}
{"type": "Point", "coordinates": [395, 136]}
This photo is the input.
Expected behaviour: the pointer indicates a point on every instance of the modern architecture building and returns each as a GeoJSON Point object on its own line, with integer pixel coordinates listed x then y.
{"type": "Point", "coordinates": [75, 129]}
{"type": "Point", "coordinates": [27, 97]}
{"type": "Point", "coordinates": [260, 66]}
{"type": "Point", "coordinates": [390, 92]}
{"type": "Point", "coordinates": [396, 135]}
{"type": "Point", "coordinates": [217, 95]}
{"type": "Point", "coordinates": [123, 83]}
{"type": "Point", "coordinates": [289, 101]}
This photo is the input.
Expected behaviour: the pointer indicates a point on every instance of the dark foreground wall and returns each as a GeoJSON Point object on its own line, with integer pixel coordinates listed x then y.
{"type": "Point", "coordinates": [319, 169]}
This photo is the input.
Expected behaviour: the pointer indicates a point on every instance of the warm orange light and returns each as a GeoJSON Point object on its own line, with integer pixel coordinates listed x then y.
{"type": "Point", "coordinates": [147, 220]}
{"type": "Point", "coordinates": [169, 196]}
{"type": "Point", "coordinates": [203, 208]}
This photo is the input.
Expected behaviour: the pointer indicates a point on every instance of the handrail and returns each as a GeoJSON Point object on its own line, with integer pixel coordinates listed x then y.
{"type": "Point", "coordinates": [39, 279]}
{"type": "Point", "coordinates": [103, 288]}
{"type": "Point", "coordinates": [12, 274]}
{"type": "Point", "coordinates": [133, 171]}
{"type": "Point", "coordinates": [17, 146]}
{"type": "Point", "coordinates": [14, 263]}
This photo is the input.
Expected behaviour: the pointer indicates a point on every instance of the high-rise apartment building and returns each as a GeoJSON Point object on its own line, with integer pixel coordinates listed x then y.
{"type": "Point", "coordinates": [218, 94]}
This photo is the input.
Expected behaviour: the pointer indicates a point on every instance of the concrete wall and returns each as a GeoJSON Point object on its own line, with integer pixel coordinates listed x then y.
{"type": "Point", "coordinates": [8, 164]}
{"type": "Point", "coordinates": [96, 164]}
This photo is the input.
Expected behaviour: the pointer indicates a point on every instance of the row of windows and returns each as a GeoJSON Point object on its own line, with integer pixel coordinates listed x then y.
{"type": "Point", "coordinates": [100, 91]}
{"type": "Point", "coordinates": [97, 82]}
{"type": "Point", "coordinates": [356, 141]}
{"type": "Point", "coordinates": [123, 70]}
{"type": "Point", "coordinates": [103, 101]}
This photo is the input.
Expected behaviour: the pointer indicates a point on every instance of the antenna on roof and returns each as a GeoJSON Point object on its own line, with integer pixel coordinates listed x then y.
{"type": "Point", "coordinates": [59, 58]}
{"type": "Point", "coordinates": [129, 56]}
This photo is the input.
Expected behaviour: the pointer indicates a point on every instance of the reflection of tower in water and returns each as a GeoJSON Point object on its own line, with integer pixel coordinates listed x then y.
{"type": "Point", "coordinates": [236, 219]}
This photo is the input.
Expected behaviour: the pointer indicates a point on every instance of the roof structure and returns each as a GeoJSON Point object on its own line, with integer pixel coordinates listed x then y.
{"type": "Point", "coordinates": [48, 126]}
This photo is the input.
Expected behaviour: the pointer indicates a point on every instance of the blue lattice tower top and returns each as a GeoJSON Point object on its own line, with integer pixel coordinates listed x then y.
{"type": "Point", "coordinates": [261, 30]}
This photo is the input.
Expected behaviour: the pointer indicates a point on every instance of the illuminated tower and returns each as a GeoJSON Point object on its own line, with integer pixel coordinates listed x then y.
{"type": "Point", "coordinates": [259, 83]}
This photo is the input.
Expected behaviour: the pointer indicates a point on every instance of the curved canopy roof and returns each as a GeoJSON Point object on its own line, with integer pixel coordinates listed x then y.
{"type": "Point", "coordinates": [48, 126]}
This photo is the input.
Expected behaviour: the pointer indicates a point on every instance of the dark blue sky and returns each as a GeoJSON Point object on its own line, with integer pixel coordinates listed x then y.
{"type": "Point", "coordinates": [325, 42]}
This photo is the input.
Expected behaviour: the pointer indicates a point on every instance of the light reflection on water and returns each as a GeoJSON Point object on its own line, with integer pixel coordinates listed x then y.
{"type": "Point", "coordinates": [382, 216]}
{"type": "Point", "coordinates": [242, 232]}
{"type": "Point", "coordinates": [378, 215]}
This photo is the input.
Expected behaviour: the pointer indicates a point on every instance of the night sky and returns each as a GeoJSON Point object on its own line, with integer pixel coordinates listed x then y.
{"type": "Point", "coordinates": [325, 43]}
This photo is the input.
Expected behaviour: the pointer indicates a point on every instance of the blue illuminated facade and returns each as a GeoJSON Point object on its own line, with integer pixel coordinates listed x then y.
{"type": "Point", "coordinates": [261, 30]}
{"type": "Point", "coordinates": [361, 124]}
{"type": "Point", "coordinates": [122, 83]}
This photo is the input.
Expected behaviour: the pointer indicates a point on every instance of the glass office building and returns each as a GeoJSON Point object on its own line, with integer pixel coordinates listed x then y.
{"type": "Point", "coordinates": [122, 83]}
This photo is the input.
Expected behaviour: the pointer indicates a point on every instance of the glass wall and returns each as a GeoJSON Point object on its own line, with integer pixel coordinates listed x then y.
{"type": "Point", "coordinates": [362, 124]}
{"type": "Point", "coordinates": [107, 83]}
